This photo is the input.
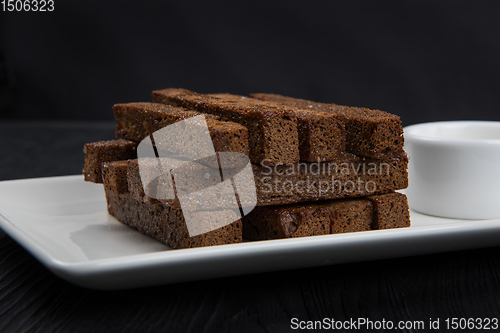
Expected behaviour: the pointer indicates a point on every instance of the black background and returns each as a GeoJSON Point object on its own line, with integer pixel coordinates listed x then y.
{"type": "Point", "coordinates": [423, 60]}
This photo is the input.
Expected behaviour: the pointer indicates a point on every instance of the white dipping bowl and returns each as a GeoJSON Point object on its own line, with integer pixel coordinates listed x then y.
{"type": "Point", "coordinates": [454, 169]}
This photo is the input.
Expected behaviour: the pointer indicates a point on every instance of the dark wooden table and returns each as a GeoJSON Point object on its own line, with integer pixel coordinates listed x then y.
{"type": "Point", "coordinates": [463, 284]}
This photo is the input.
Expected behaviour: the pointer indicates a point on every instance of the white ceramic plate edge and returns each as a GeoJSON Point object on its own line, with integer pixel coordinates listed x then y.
{"type": "Point", "coordinates": [254, 257]}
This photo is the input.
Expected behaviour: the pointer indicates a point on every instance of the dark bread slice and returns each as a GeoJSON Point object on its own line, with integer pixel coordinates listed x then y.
{"type": "Point", "coordinates": [123, 177]}
{"type": "Point", "coordinates": [136, 121]}
{"type": "Point", "coordinates": [189, 178]}
{"type": "Point", "coordinates": [162, 222]}
{"type": "Point", "coordinates": [114, 176]}
{"type": "Point", "coordinates": [272, 129]}
{"type": "Point", "coordinates": [370, 133]}
{"type": "Point", "coordinates": [96, 153]}
{"type": "Point", "coordinates": [391, 211]}
{"type": "Point", "coordinates": [151, 171]}
{"type": "Point", "coordinates": [346, 177]}
{"type": "Point", "coordinates": [321, 134]}
{"type": "Point", "coordinates": [167, 224]}
{"type": "Point", "coordinates": [350, 215]}
{"type": "Point", "coordinates": [334, 216]}
{"type": "Point", "coordinates": [273, 222]}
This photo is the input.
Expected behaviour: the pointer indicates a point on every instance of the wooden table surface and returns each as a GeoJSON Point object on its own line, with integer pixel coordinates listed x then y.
{"type": "Point", "coordinates": [463, 284]}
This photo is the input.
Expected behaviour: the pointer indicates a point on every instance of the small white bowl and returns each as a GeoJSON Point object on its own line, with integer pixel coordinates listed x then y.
{"type": "Point", "coordinates": [454, 169]}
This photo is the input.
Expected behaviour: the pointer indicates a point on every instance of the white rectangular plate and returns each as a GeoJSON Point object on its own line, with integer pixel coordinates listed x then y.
{"type": "Point", "coordinates": [63, 222]}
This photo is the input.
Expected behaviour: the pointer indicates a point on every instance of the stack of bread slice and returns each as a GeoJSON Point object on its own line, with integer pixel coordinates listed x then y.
{"type": "Point", "coordinates": [318, 168]}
